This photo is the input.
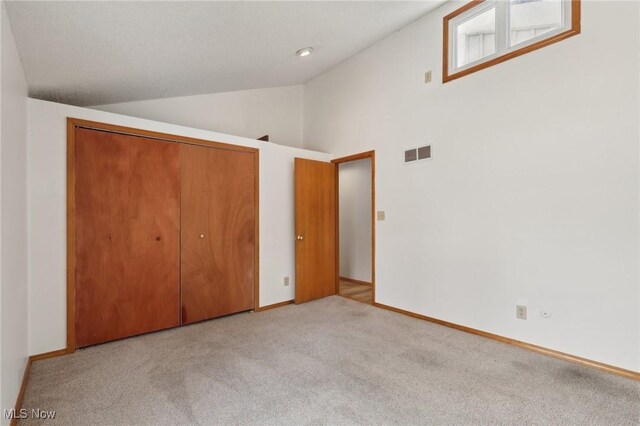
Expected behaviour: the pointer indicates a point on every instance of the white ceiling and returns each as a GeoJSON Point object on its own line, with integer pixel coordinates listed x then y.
{"type": "Point", "coordinates": [91, 53]}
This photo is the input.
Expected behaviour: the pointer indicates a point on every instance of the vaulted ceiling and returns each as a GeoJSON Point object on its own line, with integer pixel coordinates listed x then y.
{"type": "Point", "coordinates": [95, 52]}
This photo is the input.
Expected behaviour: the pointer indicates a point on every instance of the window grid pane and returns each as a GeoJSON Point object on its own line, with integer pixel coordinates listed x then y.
{"type": "Point", "coordinates": [476, 37]}
{"type": "Point", "coordinates": [531, 18]}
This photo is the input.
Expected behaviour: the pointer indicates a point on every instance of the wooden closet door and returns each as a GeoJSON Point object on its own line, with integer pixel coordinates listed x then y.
{"type": "Point", "coordinates": [127, 201]}
{"type": "Point", "coordinates": [218, 224]}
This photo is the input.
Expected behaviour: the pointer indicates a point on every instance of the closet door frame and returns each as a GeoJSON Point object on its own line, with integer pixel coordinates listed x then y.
{"type": "Point", "coordinates": [72, 124]}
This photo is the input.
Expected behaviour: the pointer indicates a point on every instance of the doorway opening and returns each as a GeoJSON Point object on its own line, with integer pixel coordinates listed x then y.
{"type": "Point", "coordinates": [355, 240]}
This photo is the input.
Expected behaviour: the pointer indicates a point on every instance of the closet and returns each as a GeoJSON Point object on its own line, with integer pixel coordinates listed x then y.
{"type": "Point", "coordinates": [218, 232]}
{"type": "Point", "coordinates": [163, 231]}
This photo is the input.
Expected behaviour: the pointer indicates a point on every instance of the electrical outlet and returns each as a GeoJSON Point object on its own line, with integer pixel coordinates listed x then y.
{"type": "Point", "coordinates": [286, 281]}
{"type": "Point", "coordinates": [521, 312]}
{"type": "Point", "coordinates": [381, 215]}
{"type": "Point", "coordinates": [427, 77]}
{"type": "Point", "coordinates": [545, 314]}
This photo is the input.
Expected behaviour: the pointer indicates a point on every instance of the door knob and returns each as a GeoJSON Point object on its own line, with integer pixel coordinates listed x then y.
{"type": "Point", "coordinates": [201, 235]}
{"type": "Point", "coordinates": [300, 237]}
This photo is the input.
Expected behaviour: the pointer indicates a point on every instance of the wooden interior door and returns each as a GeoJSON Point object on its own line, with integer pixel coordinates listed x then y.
{"type": "Point", "coordinates": [218, 232]}
{"type": "Point", "coordinates": [127, 201]}
{"type": "Point", "coordinates": [315, 211]}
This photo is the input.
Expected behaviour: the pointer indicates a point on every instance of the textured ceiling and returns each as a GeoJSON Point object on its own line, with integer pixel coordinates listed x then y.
{"type": "Point", "coordinates": [91, 53]}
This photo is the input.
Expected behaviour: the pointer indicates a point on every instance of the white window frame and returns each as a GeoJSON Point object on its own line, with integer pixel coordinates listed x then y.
{"type": "Point", "coordinates": [502, 34]}
{"type": "Point", "coordinates": [453, 35]}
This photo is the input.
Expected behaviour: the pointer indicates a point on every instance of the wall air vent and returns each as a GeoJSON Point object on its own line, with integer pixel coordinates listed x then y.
{"type": "Point", "coordinates": [424, 152]}
{"type": "Point", "coordinates": [410, 155]}
{"type": "Point", "coordinates": [416, 154]}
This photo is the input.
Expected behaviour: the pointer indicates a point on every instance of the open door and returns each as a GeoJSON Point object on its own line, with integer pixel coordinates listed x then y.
{"type": "Point", "coordinates": [315, 205]}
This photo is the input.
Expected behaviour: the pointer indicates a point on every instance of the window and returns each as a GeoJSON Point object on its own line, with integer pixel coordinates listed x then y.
{"type": "Point", "coordinates": [486, 32]}
{"type": "Point", "coordinates": [476, 37]}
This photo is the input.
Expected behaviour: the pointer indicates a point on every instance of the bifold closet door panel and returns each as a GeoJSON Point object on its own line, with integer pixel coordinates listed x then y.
{"type": "Point", "coordinates": [127, 236]}
{"type": "Point", "coordinates": [218, 232]}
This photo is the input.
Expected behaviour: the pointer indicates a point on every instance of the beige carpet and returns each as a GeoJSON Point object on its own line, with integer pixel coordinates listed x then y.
{"type": "Point", "coordinates": [332, 361]}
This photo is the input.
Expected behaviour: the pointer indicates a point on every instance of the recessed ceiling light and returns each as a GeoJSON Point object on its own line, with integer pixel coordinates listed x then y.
{"type": "Point", "coordinates": [305, 52]}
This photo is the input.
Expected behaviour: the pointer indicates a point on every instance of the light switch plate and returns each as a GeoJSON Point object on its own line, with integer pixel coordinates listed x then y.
{"type": "Point", "coordinates": [381, 215]}
{"type": "Point", "coordinates": [427, 77]}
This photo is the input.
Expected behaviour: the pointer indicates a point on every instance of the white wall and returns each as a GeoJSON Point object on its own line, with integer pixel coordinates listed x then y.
{"type": "Point", "coordinates": [532, 195]}
{"type": "Point", "coordinates": [276, 112]}
{"type": "Point", "coordinates": [13, 212]}
{"type": "Point", "coordinates": [47, 212]}
{"type": "Point", "coordinates": [355, 219]}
